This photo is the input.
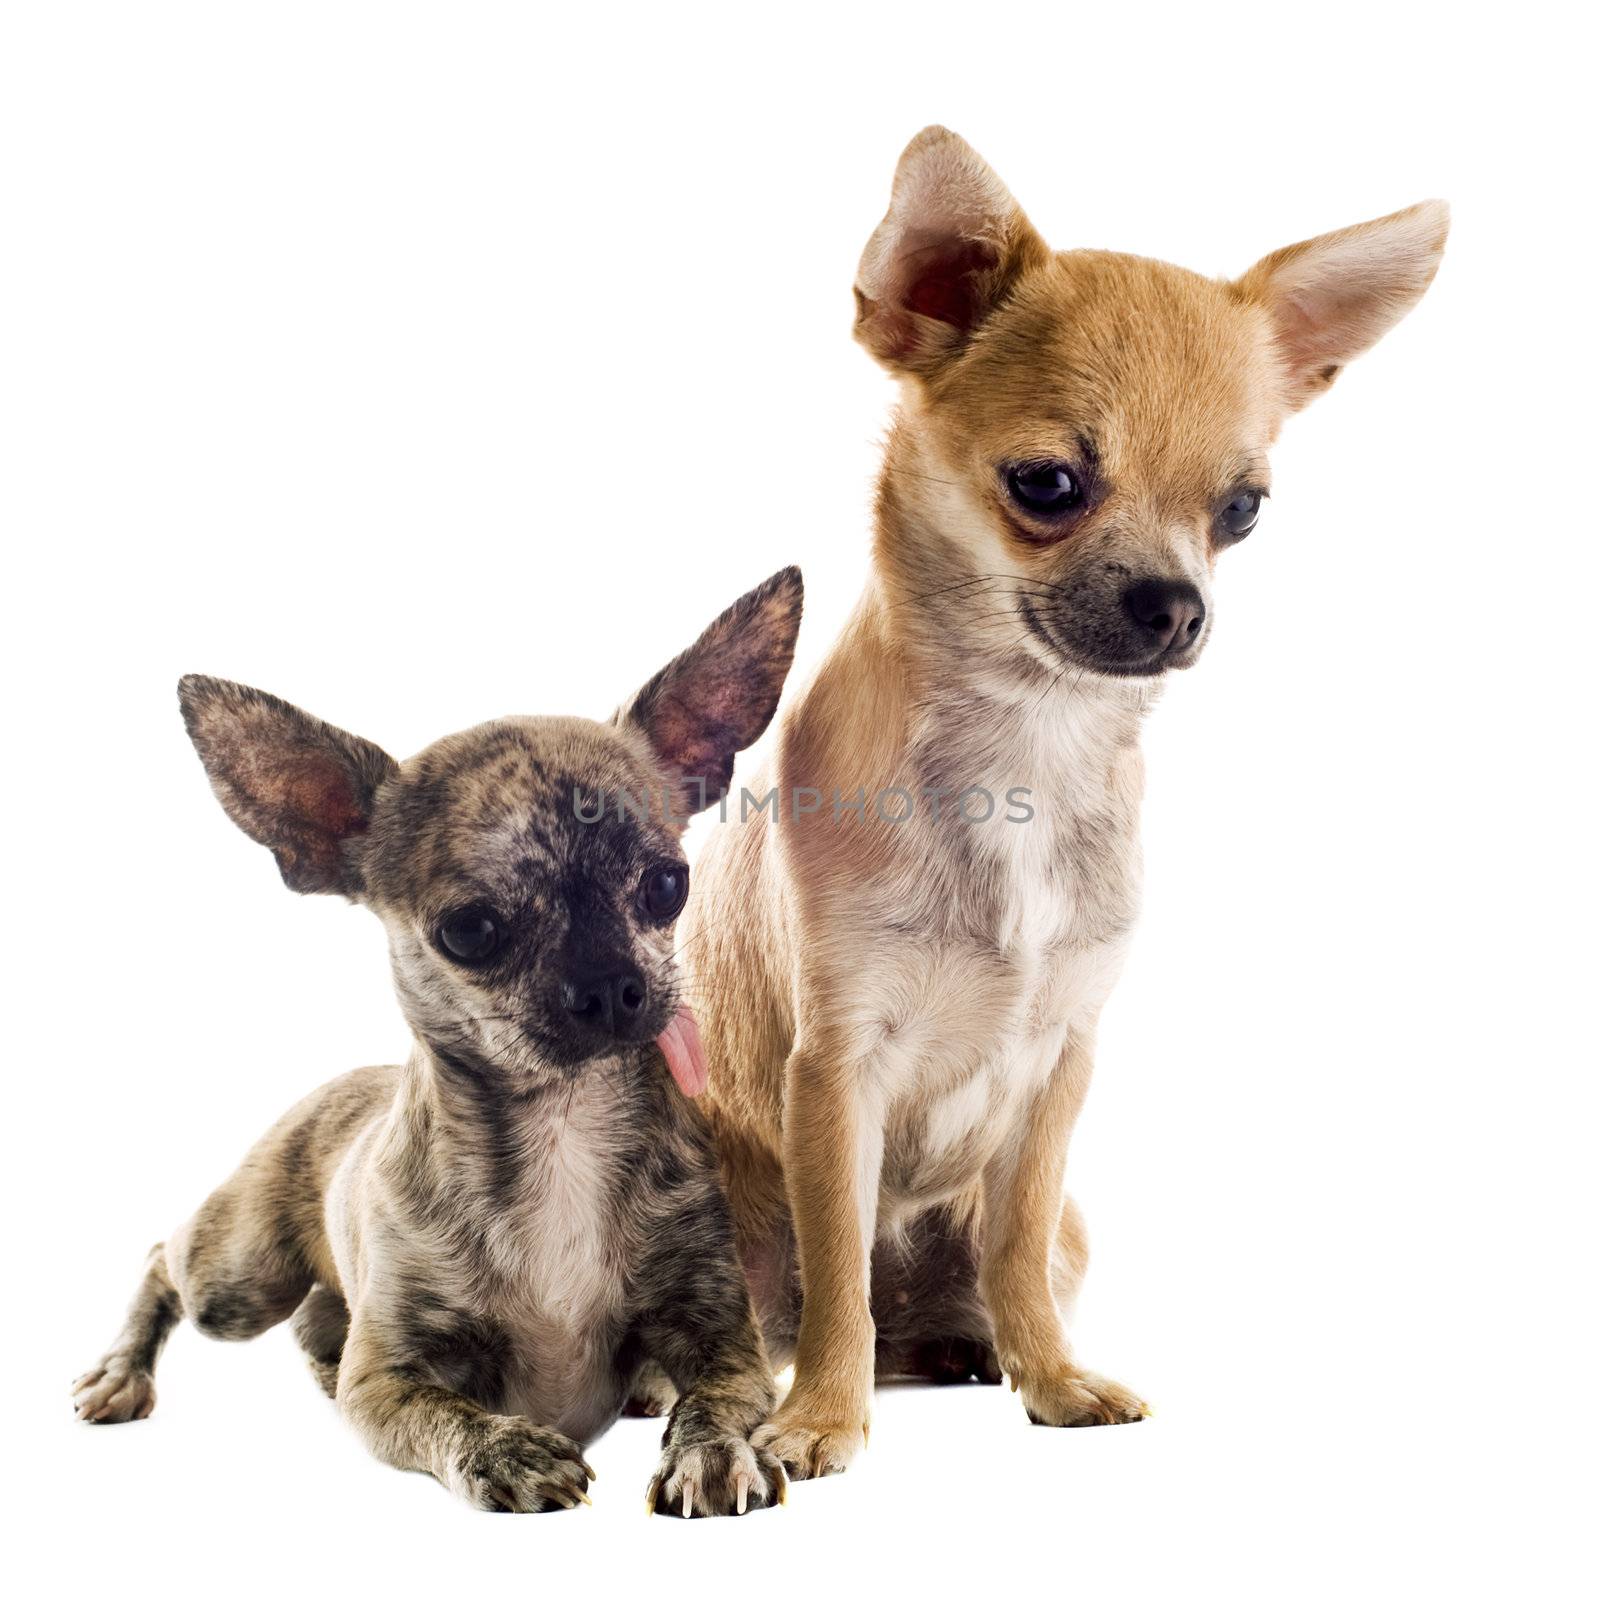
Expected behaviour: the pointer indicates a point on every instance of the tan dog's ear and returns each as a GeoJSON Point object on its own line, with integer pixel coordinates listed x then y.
{"type": "Point", "coordinates": [1336, 295]}
{"type": "Point", "coordinates": [698, 712]}
{"type": "Point", "coordinates": [951, 247]}
{"type": "Point", "coordinates": [292, 783]}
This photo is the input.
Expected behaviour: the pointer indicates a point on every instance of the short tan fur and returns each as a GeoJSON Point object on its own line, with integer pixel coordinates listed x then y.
{"type": "Point", "coordinates": [900, 1016]}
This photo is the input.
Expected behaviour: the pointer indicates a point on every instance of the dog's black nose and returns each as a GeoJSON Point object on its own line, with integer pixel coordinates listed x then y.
{"type": "Point", "coordinates": [611, 1002]}
{"type": "Point", "coordinates": [1167, 612]}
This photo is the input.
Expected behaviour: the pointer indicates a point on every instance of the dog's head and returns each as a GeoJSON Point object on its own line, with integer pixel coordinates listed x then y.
{"type": "Point", "coordinates": [528, 871]}
{"type": "Point", "coordinates": [1091, 429]}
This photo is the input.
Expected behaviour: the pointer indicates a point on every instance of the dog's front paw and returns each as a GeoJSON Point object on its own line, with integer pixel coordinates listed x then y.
{"type": "Point", "coordinates": [723, 1478]}
{"type": "Point", "coordinates": [115, 1391]}
{"type": "Point", "coordinates": [809, 1444]}
{"type": "Point", "coordinates": [1071, 1398]}
{"type": "Point", "coordinates": [510, 1465]}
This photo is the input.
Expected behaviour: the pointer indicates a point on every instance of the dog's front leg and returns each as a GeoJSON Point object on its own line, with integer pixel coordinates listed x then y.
{"type": "Point", "coordinates": [1022, 1212]}
{"type": "Point", "coordinates": [697, 1326]}
{"type": "Point", "coordinates": [496, 1463]}
{"type": "Point", "coordinates": [832, 1158]}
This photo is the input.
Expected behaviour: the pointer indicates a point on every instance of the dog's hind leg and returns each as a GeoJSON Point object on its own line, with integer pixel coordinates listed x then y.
{"type": "Point", "coordinates": [320, 1323]}
{"type": "Point", "coordinates": [930, 1319]}
{"type": "Point", "coordinates": [258, 1246]}
{"type": "Point", "coordinates": [238, 1263]}
{"type": "Point", "coordinates": [652, 1394]}
{"type": "Point", "coordinates": [250, 1255]}
{"type": "Point", "coordinates": [122, 1387]}
{"type": "Point", "coordinates": [229, 1270]}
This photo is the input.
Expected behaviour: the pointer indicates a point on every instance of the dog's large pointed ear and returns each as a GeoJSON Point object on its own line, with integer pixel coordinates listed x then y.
{"type": "Point", "coordinates": [1334, 296]}
{"type": "Point", "coordinates": [292, 783]}
{"type": "Point", "coordinates": [719, 695]}
{"type": "Point", "coordinates": [949, 250]}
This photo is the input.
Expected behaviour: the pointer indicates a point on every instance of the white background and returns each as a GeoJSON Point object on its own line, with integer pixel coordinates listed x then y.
{"type": "Point", "coordinates": [427, 364]}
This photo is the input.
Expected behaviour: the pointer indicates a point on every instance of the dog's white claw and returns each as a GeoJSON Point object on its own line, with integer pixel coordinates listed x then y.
{"type": "Point", "coordinates": [743, 1495]}
{"type": "Point", "coordinates": [688, 1497]}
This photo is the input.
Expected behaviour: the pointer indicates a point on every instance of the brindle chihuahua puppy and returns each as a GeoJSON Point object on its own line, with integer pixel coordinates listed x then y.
{"type": "Point", "coordinates": [483, 1250]}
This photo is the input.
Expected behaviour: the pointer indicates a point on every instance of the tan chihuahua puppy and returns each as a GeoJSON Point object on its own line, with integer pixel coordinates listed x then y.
{"type": "Point", "coordinates": [900, 1018]}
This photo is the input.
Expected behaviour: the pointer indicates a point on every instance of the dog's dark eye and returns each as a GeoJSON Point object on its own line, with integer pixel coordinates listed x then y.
{"type": "Point", "coordinates": [663, 891]}
{"type": "Point", "coordinates": [1238, 517]}
{"type": "Point", "coordinates": [470, 935]}
{"type": "Point", "coordinates": [1046, 488]}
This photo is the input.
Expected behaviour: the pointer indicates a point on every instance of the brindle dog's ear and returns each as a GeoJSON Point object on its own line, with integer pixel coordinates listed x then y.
{"type": "Point", "coordinates": [953, 245]}
{"type": "Point", "coordinates": [292, 783]}
{"type": "Point", "coordinates": [719, 695]}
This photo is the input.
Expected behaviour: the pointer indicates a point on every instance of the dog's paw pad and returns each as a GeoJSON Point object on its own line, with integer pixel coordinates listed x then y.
{"type": "Point", "coordinates": [114, 1392]}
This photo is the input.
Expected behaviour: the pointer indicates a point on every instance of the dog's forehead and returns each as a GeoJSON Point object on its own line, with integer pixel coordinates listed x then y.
{"type": "Point", "coordinates": [509, 799]}
{"type": "Point", "coordinates": [1166, 374]}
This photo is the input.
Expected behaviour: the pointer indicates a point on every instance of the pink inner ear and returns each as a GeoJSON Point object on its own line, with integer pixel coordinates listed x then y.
{"type": "Point", "coordinates": [321, 794]}
{"type": "Point", "coordinates": [941, 281]}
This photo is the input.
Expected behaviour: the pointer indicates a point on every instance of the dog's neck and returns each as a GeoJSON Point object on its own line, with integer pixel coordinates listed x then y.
{"type": "Point", "coordinates": [497, 1178]}
{"type": "Point", "coordinates": [463, 1123]}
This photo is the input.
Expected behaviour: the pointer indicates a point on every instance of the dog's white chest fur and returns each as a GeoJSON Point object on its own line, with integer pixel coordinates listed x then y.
{"type": "Point", "coordinates": [553, 1251]}
{"type": "Point", "coordinates": [1027, 927]}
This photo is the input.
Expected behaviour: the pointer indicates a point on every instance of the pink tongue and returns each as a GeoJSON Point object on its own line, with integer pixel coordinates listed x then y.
{"type": "Point", "coordinates": [686, 1056]}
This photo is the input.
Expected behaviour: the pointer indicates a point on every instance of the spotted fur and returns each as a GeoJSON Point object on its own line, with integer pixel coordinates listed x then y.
{"type": "Point", "coordinates": [485, 1251]}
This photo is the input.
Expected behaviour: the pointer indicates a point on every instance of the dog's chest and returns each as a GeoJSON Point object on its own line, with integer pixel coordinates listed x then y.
{"type": "Point", "coordinates": [1029, 923]}
{"type": "Point", "coordinates": [556, 1285]}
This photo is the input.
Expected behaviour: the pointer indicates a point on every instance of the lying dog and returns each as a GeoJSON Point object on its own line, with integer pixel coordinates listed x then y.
{"type": "Point", "coordinates": [900, 1021]}
{"type": "Point", "coordinates": [481, 1250]}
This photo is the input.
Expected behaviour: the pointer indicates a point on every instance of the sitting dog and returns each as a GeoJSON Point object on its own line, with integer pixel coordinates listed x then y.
{"type": "Point", "coordinates": [900, 1022]}
{"type": "Point", "coordinates": [482, 1251]}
